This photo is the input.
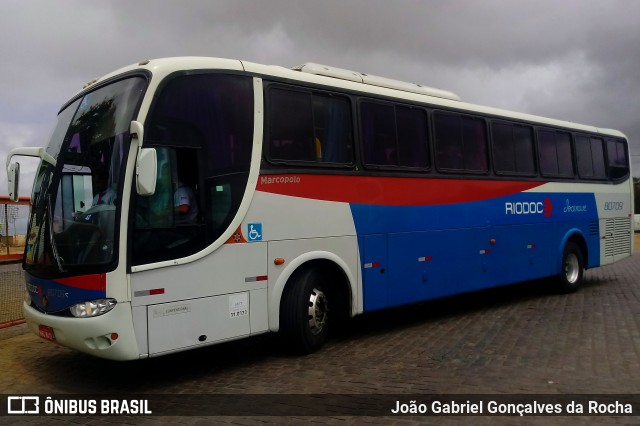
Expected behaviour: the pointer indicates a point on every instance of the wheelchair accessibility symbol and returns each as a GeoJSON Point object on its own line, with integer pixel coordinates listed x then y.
{"type": "Point", "coordinates": [255, 232]}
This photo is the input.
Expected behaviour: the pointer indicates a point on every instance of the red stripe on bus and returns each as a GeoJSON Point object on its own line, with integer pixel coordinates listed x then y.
{"type": "Point", "coordinates": [391, 191]}
{"type": "Point", "coordinates": [85, 282]}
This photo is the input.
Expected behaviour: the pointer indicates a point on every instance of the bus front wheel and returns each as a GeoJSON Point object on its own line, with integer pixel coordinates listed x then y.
{"type": "Point", "coordinates": [572, 273]}
{"type": "Point", "coordinates": [304, 311]}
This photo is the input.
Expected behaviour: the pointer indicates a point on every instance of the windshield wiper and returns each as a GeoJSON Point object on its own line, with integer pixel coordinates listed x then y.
{"type": "Point", "coordinates": [54, 248]}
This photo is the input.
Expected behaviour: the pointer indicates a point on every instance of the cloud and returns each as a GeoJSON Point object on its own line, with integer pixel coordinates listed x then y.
{"type": "Point", "coordinates": [574, 59]}
{"type": "Point", "coordinates": [14, 136]}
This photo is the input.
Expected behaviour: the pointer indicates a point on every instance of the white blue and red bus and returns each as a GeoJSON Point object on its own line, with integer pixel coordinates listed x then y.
{"type": "Point", "coordinates": [316, 194]}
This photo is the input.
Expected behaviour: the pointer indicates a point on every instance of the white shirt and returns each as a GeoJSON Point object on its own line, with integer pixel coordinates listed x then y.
{"type": "Point", "coordinates": [184, 196]}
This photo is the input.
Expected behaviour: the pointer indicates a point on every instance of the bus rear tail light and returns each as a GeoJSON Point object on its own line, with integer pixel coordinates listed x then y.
{"type": "Point", "coordinates": [92, 308]}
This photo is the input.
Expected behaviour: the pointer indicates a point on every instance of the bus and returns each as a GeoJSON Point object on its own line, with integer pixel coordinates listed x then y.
{"type": "Point", "coordinates": [184, 202]}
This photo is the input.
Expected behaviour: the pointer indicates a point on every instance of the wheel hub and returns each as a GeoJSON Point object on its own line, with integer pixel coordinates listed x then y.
{"type": "Point", "coordinates": [571, 268]}
{"type": "Point", "coordinates": [317, 311]}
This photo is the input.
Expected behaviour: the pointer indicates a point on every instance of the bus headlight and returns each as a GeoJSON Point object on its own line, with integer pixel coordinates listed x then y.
{"type": "Point", "coordinates": [92, 308]}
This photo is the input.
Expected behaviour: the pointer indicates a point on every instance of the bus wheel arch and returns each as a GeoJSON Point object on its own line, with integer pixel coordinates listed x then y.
{"type": "Point", "coordinates": [316, 296]}
{"type": "Point", "coordinates": [574, 262]}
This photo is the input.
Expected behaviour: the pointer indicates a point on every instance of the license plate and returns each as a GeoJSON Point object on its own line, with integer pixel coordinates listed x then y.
{"type": "Point", "coordinates": [46, 332]}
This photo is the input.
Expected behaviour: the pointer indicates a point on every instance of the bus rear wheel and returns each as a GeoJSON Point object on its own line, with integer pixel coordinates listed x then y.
{"type": "Point", "coordinates": [572, 273]}
{"type": "Point", "coordinates": [304, 311]}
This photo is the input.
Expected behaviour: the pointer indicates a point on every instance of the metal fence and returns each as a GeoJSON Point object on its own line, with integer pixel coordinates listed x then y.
{"type": "Point", "coordinates": [13, 229]}
{"type": "Point", "coordinates": [12, 292]}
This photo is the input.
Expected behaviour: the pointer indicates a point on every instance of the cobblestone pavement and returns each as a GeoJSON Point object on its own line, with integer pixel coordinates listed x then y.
{"type": "Point", "coordinates": [522, 339]}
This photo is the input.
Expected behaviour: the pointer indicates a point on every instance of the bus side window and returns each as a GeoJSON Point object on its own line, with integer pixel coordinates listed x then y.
{"type": "Point", "coordinates": [617, 159]}
{"type": "Point", "coordinates": [167, 224]}
{"type": "Point", "coordinates": [590, 157]}
{"type": "Point", "coordinates": [513, 149]}
{"type": "Point", "coordinates": [185, 187]}
{"type": "Point", "coordinates": [448, 142]}
{"type": "Point", "coordinates": [202, 128]}
{"type": "Point", "coordinates": [556, 155]}
{"type": "Point", "coordinates": [175, 201]}
{"type": "Point", "coordinates": [461, 143]}
{"type": "Point", "coordinates": [332, 129]}
{"type": "Point", "coordinates": [309, 128]}
{"type": "Point", "coordinates": [474, 144]}
{"type": "Point", "coordinates": [379, 134]}
{"type": "Point", "coordinates": [412, 131]}
{"type": "Point", "coordinates": [291, 126]}
{"type": "Point", "coordinates": [155, 211]}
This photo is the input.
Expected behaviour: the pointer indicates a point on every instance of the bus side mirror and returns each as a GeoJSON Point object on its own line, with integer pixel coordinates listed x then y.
{"type": "Point", "coordinates": [13, 169]}
{"type": "Point", "coordinates": [146, 172]}
{"type": "Point", "coordinates": [13, 180]}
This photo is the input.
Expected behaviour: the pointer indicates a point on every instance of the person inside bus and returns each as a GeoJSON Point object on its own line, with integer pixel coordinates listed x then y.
{"type": "Point", "coordinates": [105, 194]}
{"type": "Point", "coordinates": [185, 205]}
{"type": "Point", "coordinates": [108, 196]}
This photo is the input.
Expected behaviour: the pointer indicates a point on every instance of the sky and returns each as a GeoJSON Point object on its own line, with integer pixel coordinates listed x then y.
{"type": "Point", "coordinates": [576, 60]}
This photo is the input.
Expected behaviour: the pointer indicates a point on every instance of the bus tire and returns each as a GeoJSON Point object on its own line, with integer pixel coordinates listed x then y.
{"type": "Point", "coordinates": [304, 311]}
{"type": "Point", "coordinates": [572, 272]}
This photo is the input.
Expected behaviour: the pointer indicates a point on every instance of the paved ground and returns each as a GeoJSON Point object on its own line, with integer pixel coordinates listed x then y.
{"type": "Point", "coordinates": [517, 340]}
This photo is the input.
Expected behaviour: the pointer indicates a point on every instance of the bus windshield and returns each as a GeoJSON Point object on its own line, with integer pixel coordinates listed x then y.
{"type": "Point", "coordinates": [76, 201]}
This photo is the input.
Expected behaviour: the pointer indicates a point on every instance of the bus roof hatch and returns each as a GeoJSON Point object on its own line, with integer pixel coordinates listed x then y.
{"type": "Point", "coordinates": [344, 74]}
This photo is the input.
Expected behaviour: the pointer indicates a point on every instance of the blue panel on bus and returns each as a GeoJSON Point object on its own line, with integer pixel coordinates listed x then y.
{"type": "Point", "coordinates": [374, 261]}
{"type": "Point", "coordinates": [522, 208]}
{"type": "Point", "coordinates": [425, 265]}
{"type": "Point", "coordinates": [439, 250]}
{"type": "Point", "coordinates": [52, 295]}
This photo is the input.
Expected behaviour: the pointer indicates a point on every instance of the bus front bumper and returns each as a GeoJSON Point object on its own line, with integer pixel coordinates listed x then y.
{"type": "Point", "coordinates": [109, 336]}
